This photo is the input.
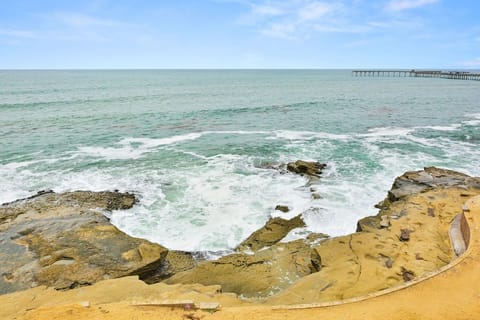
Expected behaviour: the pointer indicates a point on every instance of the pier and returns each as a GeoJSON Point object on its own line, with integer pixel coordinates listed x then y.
{"type": "Point", "coordinates": [460, 75]}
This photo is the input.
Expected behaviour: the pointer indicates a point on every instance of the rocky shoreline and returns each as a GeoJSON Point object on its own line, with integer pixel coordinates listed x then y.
{"type": "Point", "coordinates": [65, 241]}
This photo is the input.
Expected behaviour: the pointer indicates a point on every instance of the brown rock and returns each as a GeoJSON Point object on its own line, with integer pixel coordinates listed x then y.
{"type": "Point", "coordinates": [404, 234]}
{"type": "Point", "coordinates": [64, 241]}
{"type": "Point", "coordinates": [407, 275]}
{"type": "Point", "coordinates": [259, 275]}
{"type": "Point", "coordinates": [272, 232]}
{"type": "Point", "coordinates": [282, 208]}
{"type": "Point", "coordinates": [174, 262]}
{"type": "Point", "coordinates": [417, 181]}
{"type": "Point", "coordinates": [312, 169]}
{"type": "Point", "coordinates": [385, 222]}
{"type": "Point", "coordinates": [368, 224]}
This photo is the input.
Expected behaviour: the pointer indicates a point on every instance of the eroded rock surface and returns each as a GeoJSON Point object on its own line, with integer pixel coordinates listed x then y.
{"type": "Point", "coordinates": [272, 232]}
{"type": "Point", "coordinates": [406, 240]}
{"type": "Point", "coordinates": [65, 240]}
{"type": "Point", "coordinates": [259, 275]}
{"type": "Point", "coordinates": [431, 177]}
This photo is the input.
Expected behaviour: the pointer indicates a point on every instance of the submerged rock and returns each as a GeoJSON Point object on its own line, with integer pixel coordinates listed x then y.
{"type": "Point", "coordinates": [65, 240]}
{"type": "Point", "coordinates": [272, 232]}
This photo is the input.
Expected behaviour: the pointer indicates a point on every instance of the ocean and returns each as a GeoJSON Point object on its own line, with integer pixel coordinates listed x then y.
{"type": "Point", "coordinates": [194, 144]}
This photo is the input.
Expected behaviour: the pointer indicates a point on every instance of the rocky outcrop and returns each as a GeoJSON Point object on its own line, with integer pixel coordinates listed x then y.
{"type": "Point", "coordinates": [409, 238]}
{"type": "Point", "coordinates": [431, 177]}
{"type": "Point", "coordinates": [65, 240]}
{"type": "Point", "coordinates": [259, 275]}
{"type": "Point", "coordinates": [415, 182]}
{"type": "Point", "coordinates": [311, 169]}
{"type": "Point", "coordinates": [272, 232]}
{"type": "Point", "coordinates": [174, 262]}
{"type": "Point", "coordinates": [282, 208]}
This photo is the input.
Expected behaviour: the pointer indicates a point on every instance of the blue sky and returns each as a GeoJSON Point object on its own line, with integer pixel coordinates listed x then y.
{"type": "Point", "coordinates": [239, 34]}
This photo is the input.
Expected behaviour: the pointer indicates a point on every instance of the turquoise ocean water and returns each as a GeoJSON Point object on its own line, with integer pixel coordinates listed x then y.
{"type": "Point", "coordinates": [192, 144]}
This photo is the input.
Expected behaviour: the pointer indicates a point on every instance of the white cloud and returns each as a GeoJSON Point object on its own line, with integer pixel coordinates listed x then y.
{"type": "Point", "coordinates": [280, 30]}
{"type": "Point", "coordinates": [474, 63]}
{"type": "Point", "coordinates": [80, 21]}
{"type": "Point", "coordinates": [267, 10]}
{"type": "Point", "coordinates": [300, 19]}
{"type": "Point", "coordinates": [343, 29]}
{"type": "Point", "coordinates": [288, 19]}
{"type": "Point", "coordinates": [18, 33]}
{"type": "Point", "coordinates": [400, 5]}
{"type": "Point", "coordinates": [314, 10]}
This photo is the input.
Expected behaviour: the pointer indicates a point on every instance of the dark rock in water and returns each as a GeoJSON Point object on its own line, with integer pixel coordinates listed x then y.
{"type": "Point", "coordinates": [282, 208]}
{"type": "Point", "coordinates": [272, 232]}
{"type": "Point", "coordinates": [258, 275]}
{"type": "Point", "coordinates": [280, 167]}
{"type": "Point", "coordinates": [316, 196]}
{"type": "Point", "coordinates": [312, 169]}
{"type": "Point", "coordinates": [64, 241]}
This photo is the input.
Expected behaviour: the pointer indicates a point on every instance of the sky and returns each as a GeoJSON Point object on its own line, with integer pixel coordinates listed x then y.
{"type": "Point", "coordinates": [127, 34]}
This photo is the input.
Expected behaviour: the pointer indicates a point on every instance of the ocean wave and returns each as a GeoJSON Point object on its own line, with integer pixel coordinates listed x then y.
{"type": "Point", "coordinates": [133, 148]}
{"type": "Point", "coordinates": [307, 135]}
{"type": "Point", "coordinates": [452, 127]}
{"type": "Point", "coordinates": [387, 131]}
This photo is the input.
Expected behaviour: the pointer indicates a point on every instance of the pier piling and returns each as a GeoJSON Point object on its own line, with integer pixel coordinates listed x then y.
{"type": "Point", "coordinates": [458, 75]}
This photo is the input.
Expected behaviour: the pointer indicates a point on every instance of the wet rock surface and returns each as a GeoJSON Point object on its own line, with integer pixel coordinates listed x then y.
{"type": "Point", "coordinates": [272, 232]}
{"type": "Point", "coordinates": [65, 241]}
{"type": "Point", "coordinates": [309, 168]}
{"type": "Point", "coordinates": [256, 275]}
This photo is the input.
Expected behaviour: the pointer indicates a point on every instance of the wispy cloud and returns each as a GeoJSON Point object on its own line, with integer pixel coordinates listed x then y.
{"type": "Point", "coordinates": [78, 20]}
{"type": "Point", "coordinates": [400, 5]}
{"type": "Point", "coordinates": [18, 33]}
{"type": "Point", "coordinates": [267, 10]}
{"type": "Point", "coordinates": [283, 30]}
{"type": "Point", "coordinates": [80, 26]}
{"type": "Point", "coordinates": [289, 19]}
{"type": "Point", "coordinates": [314, 11]}
{"type": "Point", "coordinates": [300, 19]}
{"type": "Point", "coordinates": [473, 63]}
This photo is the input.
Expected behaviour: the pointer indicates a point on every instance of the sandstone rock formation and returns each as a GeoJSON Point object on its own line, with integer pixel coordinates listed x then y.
{"type": "Point", "coordinates": [65, 240]}
{"type": "Point", "coordinates": [272, 232]}
{"type": "Point", "coordinates": [259, 275]}
{"type": "Point", "coordinates": [414, 243]}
